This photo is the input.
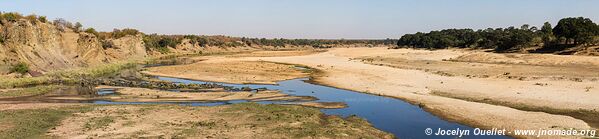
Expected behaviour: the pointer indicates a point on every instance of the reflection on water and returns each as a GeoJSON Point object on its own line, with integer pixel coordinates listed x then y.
{"type": "Point", "coordinates": [388, 114]}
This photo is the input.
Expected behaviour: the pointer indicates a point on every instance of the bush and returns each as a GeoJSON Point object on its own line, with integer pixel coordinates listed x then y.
{"type": "Point", "coordinates": [21, 68]}
{"type": "Point", "coordinates": [43, 19]}
{"type": "Point", "coordinates": [92, 31]}
{"type": "Point", "coordinates": [31, 18]}
{"type": "Point", "coordinates": [116, 33]}
{"type": "Point", "coordinates": [12, 16]}
{"type": "Point", "coordinates": [107, 44]}
{"type": "Point", "coordinates": [78, 27]}
{"type": "Point", "coordinates": [152, 42]}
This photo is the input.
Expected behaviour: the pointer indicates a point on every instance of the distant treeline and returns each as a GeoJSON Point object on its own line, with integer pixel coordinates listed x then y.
{"type": "Point", "coordinates": [162, 42]}
{"type": "Point", "coordinates": [569, 32]}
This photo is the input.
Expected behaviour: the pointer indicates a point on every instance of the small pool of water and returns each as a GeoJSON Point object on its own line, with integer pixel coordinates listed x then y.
{"type": "Point", "coordinates": [392, 115]}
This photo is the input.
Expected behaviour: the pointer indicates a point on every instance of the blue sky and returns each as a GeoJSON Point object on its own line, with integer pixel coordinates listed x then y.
{"type": "Point", "coordinates": [328, 19]}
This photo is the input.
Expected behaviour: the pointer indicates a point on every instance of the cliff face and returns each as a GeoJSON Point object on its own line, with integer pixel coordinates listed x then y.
{"type": "Point", "coordinates": [127, 48]}
{"type": "Point", "coordinates": [45, 47]}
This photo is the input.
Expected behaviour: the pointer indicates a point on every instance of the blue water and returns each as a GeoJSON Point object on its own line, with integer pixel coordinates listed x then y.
{"type": "Point", "coordinates": [404, 120]}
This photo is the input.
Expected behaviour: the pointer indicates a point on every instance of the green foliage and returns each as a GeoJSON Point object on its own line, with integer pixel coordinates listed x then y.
{"type": "Point", "coordinates": [546, 33]}
{"type": "Point", "coordinates": [116, 33]}
{"type": "Point", "coordinates": [91, 31]}
{"type": "Point", "coordinates": [580, 30]}
{"type": "Point", "coordinates": [21, 68]}
{"type": "Point", "coordinates": [226, 41]}
{"type": "Point", "coordinates": [160, 43]}
{"type": "Point", "coordinates": [42, 19]}
{"type": "Point", "coordinates": [546, 29]}
{"type": "Point", "coordinates": [197, 40]}
{"type": "Point", "coordinates": [12, 17]}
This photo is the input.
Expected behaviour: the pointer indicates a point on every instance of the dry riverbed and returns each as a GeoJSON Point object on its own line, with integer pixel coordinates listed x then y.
{"type": "Point", "coordinates": [485, 90]}
{"type": "Point", "coordinates": [539, 100]}
{"type": "Point", "coordinates": [28, 118]}
{"type": "Point", "coordinates": [512, 91]}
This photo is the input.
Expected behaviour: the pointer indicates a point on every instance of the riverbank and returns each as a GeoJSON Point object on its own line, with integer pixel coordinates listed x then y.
{"type": "Point", "coordinates": [416, 86]}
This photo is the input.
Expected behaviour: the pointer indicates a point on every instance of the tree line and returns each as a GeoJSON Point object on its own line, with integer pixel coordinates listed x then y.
{"type": "Point", "coordinates": [569, 32]}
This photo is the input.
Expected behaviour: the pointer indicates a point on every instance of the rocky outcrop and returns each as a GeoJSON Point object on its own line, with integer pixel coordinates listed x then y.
{"type": "Point", "coordinates": [46, 47]}
{"type": "Point", "coordinates": [128, 47]}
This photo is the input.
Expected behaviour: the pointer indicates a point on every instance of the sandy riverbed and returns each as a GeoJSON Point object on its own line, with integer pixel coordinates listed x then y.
{"type": "Point", "coordinates": [416, 86]}
{"type": "Point", "coordinates": [512, 91]}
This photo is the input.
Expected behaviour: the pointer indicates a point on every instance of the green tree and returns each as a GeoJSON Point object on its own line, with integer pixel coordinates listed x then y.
{"type": "Point", "coordinates": [578, 29]}
{"type": "Point", "coordinates": [547, 33]}
{"type": "Point", "coordinates": [547, 29]}
{"type": "Point", "coordinates": [12, 17]}
{"type": "Point", "coordinates": [43, 19]}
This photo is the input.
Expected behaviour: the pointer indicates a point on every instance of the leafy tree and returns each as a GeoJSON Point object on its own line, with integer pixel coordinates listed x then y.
{"type": "Point", "coordinates": [499, 39]}
{"type": "Point", "coordinates": [547, 29]}
{"type": "Point", "coordinates": [578, 29]}
{"type": "Point", "coordinates": [547, 33]}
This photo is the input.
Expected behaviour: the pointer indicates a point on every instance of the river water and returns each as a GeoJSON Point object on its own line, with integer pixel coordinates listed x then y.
{"type": "Point", "coordinates": [392, 115]}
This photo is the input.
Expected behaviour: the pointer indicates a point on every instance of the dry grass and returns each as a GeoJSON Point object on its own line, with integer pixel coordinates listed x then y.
{"type": "Point", "coordinates": [245, 120]}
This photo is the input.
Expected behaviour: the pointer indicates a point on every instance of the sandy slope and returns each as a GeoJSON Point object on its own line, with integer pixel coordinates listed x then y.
{"type": "Point", "coordinates": [416, 86]}
{"type": "Point", "coordinates": [230, 71]}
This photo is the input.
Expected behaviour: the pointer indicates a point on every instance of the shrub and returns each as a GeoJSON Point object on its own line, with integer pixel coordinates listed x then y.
{"type": "Point", "coordinates": [107, 44]}
{"type": "Point", "coordinates": [31, 18]}
{"type": "Point", "coordinates": [21, 68]}
{"type": "Point", "coordinates": [12, 16]}
{"type": "Point", "coordinates": [92, 31]}
{"type": "Point", "coordinates": [77, 27]}
{"type": "Point", "coordinates": [116, 33]}
{"type": "Point", "coordinates": [151, 42]}
{"type": "Point", "coordinates": [43, 19]}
